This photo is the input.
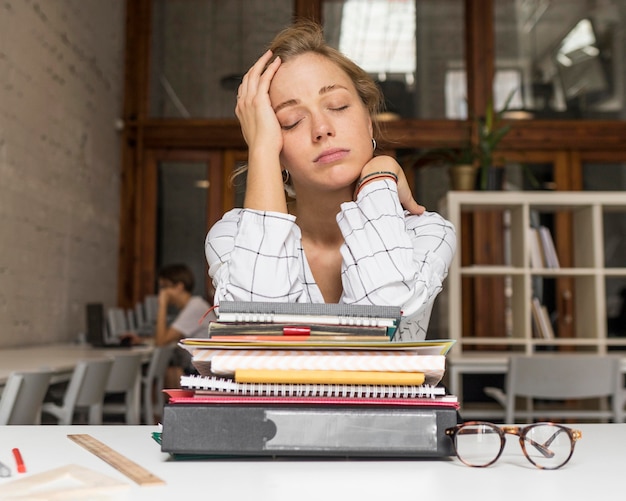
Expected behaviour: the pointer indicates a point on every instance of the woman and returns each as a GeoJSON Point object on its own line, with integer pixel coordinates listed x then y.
{"type": "Point", "coordinates": [308, 115]}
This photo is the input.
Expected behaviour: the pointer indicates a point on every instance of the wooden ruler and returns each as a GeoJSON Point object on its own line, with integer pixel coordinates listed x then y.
{"type": "Point", "coordinates": [121, 463]}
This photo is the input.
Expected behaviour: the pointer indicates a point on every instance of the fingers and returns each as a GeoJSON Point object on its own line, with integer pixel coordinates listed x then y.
{"type": "Point", "coordinates": [258, 78]}
{"type": "Point", "coordinates": [254, 108]}
{"type": "Point", "coordinates": [413, 207]}
{"type": "Point", "coordinates": [385, 163]}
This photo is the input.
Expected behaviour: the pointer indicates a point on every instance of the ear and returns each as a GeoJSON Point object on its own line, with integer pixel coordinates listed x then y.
{"type": "Point", "coordinates": [370, 126]}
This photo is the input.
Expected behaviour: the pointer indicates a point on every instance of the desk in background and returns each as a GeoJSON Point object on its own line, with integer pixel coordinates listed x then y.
{"type": "Point", "coordinates": [598, 462]}
{"type": "Point", "coordinates": [59, 358]}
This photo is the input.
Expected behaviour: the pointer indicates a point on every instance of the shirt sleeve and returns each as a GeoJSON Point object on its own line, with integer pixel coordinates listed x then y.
{"type": "Point", "coordinates": [254, 256]}
{"type": "Point", "coordinates": [391, 257]}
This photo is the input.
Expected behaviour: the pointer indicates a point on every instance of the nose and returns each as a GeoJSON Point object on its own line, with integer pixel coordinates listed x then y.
{"type": "Point", "coordinates": [322, 127]}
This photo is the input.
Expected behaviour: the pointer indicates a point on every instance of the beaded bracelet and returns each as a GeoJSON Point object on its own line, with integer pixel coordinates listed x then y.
{"type": "Point", "coordinates": [373, 176]}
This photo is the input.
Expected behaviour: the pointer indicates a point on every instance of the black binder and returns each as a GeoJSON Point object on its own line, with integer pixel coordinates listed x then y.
{"type": "Point", "coordinates": [282, 429]}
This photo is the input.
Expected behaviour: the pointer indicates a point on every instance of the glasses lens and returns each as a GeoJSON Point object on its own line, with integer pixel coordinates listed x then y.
{"type": "Point", "coordinates": [478, 444]}
{"type": "Point", "coordinates": [547, 446]}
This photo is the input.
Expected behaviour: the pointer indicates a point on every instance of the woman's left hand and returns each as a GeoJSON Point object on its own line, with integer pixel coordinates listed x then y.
{"type": "Point", "coordinates": [385, 163]}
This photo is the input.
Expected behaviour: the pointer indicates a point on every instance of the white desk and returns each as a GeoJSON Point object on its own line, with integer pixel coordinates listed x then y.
{"type": "Point", "coordinates": [598, 463]}
{"type": "Point", "coordinates": [59, 358]}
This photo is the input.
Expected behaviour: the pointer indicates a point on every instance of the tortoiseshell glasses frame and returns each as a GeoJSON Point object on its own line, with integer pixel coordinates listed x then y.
{"type": "Point", "coordinates": [546, 445]}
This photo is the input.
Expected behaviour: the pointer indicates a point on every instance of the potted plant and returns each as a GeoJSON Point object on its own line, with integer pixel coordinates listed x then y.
{"type": "Point", "coordinates": [461, 164]}
{"type": "Point", "coordinates": [472, 165]}
{"type": "Point", "coordinates": [489, 132]}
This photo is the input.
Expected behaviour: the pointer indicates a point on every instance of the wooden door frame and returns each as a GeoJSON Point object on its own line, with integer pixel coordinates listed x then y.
{"type": "Point", "coordinates": [142, 220]}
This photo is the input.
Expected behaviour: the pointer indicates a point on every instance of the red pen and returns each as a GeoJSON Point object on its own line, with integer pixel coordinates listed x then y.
{"type": "Point", "coordinates": [21, 467]}
{"type": "Point", "coordinates": [296, 330]}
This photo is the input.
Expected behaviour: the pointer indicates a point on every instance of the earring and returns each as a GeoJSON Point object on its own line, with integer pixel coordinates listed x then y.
{"type": "Point", "coordinates": [286, 176]}
{"type": "Point", "coordinates": [374, 143]}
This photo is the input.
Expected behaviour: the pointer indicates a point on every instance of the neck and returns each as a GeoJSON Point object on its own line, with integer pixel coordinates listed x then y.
{"type": "Point", "coordinates": [317, 216]}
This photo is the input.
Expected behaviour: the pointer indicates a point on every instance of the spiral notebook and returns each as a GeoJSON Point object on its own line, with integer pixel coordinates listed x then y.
{"type": "Point", "coordinates": [317, 313]}
{"type": "Point", "coordinates": [213, 384]}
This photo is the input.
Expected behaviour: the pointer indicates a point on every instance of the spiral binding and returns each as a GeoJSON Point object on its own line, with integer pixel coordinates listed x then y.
{"type": "Point", "coordinates": [310, 390]}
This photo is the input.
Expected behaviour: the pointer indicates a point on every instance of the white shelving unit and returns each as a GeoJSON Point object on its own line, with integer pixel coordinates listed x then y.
{"type": "Point", "coordinates": [589, 273]}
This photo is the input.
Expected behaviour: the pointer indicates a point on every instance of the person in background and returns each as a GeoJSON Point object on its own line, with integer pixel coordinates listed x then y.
{"type": "Point", "coordinates": [176, 284]}
{"type": "Point", "coordinates": [324, 219]}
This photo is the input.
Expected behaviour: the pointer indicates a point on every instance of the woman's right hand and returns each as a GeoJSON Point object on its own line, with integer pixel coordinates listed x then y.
{"type": "Point", "coordinates": [259, 124]}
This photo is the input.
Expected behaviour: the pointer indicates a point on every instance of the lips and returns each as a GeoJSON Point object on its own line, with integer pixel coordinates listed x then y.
{"type": "Point", "coordinates": [331, 155]}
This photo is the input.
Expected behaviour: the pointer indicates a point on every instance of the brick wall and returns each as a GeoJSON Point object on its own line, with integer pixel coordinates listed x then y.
{"type": "Point", "coordinates": [61, 76]}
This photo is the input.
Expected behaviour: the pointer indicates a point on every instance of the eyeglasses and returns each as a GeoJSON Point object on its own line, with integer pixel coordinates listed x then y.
{"type": "Point", "coordinates": [546, 445]}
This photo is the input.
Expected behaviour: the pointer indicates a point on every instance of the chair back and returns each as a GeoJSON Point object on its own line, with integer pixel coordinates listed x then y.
{"type": "Point", "coordinates": [153, 380]}
{"type": "Point", "coordinates": [85, 389]}
{"type": "Point", "coordinates": [565, 376]}
{"type": "Point", "coordinates": [125, 373]}
{"type": "Point", "coordinates": [131, 320]}
{"type": "Point", "coordinates": [125, 377]}
{"type": "Point", "coordinates": [159, 361]}
{"type": "Point", "coordinates": [88, 383]}
{"type": "Point", "coordinates": [23, 396]}
{"type": "Point", "coordinates": [140, 318]}
{"type": "Point", "coordinates": [151, 308]}
{"type": "Point", "coordinates": [117, 322]}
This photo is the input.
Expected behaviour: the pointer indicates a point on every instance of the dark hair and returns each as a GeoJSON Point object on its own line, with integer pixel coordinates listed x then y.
{"type": "Point", "coordinates": [307, 36]}
{"type": "Point", "coordinates": [178, 273]}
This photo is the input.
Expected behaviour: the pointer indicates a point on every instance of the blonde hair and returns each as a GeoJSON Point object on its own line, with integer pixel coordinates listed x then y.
{"type": "Point", "coordinates": [307, 37]}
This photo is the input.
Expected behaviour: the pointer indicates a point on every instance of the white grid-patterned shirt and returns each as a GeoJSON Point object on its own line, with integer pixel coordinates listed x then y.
{"type": "Point", "coordinates": [389, 257]}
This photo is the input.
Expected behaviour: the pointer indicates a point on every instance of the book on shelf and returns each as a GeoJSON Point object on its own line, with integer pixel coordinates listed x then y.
{"type": "Point", "coordinates": [541, 320]}
{"type": "Point", "coordinates": [542, 249]}
{"type": "Point", "coordinates": [549, 250]}
{"type": "Point", "coordinates": [535, 249]}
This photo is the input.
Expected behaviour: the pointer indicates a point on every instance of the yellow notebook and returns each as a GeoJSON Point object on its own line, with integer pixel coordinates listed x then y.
{"type": "Point", "coordinates": [328, 377]}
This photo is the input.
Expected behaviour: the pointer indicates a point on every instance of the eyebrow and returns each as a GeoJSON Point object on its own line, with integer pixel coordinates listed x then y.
{"type": "Point", "coordinates": [324, 90]}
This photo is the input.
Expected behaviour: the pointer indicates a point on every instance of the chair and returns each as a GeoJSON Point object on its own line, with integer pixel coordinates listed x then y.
{"type": "Point", "coordinates": [564, 377]}
{"type": "Point", "coordinates": [131, 320]}
{"type": "Point", "coordinates": [117, 322]}
{"type": "Point", "coordinates": [85, 390]}
{"type": "Point", "coordinates": [125, 377]}
{"type": "Point", "coordinates": [152, 380]}
{"type": "Point", "coordinates": [151, 308]}
{"type": "Point", "coordinates": [23, 396]}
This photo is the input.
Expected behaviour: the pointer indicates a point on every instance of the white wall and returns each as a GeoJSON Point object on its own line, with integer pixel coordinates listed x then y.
{"type": "Point", "coordinates": [61, 85]}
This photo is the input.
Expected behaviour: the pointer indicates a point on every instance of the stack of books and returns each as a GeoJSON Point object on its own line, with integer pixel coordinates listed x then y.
{"type": "Point", "coordinates": [348, 391]}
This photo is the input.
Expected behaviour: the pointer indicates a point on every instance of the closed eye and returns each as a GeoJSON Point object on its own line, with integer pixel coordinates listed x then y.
{"type": "Point", "coordinates": [290, 126]}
